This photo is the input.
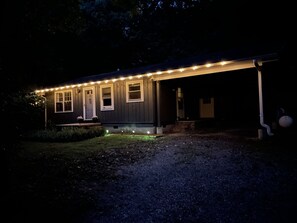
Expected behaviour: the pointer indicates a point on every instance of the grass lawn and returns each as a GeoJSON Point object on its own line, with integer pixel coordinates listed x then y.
{"type": "Point", "coordinates": [49, 181]}
{"type": "Point", "coordinates": [85, 147]}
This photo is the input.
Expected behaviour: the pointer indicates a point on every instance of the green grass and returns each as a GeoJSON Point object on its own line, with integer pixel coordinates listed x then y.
{"type": "Point", "coordinates": [56, 179]}
{"type": "Point", "coordinates": [109, 141]}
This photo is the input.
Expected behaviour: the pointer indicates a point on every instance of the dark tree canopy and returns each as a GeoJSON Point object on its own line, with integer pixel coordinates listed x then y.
{"type": "Point", "coordinates": [45, 43]}
{"type": "Point", "coordinates": [49, 42]}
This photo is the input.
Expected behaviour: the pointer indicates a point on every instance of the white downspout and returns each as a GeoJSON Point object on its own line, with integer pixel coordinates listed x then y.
{"type": "Point", "coordinates": [261, 113]}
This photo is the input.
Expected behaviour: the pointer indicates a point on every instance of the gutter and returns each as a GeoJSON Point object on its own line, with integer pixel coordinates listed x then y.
{"type": "Point", "coordinates": [261, 113]}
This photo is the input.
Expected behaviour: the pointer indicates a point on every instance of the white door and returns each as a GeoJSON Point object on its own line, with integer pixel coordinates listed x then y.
{"type": "Point", "coordinates": [89, 103]}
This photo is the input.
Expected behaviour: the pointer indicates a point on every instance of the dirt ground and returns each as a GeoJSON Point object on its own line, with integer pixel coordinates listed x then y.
{"type": "Point", "coordinates": [218, 177]}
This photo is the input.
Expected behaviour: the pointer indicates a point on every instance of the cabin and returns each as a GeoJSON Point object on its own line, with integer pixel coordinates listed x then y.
{"type": "Point", "coordinates": [234, 88]}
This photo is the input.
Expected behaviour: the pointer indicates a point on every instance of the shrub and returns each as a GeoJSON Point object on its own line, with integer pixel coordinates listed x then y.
{"type": "Point", "coordinates": [66, 134]}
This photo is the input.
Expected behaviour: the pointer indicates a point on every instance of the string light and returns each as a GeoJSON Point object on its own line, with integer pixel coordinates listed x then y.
{"type": "Point", "coordinates": [194, 67]}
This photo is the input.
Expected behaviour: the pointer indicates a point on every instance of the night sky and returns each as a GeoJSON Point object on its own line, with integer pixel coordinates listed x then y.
{"type": "Point", "coordinates": [49, 42]}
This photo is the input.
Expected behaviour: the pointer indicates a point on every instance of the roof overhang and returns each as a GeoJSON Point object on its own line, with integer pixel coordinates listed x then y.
{"type": "Point", "coordinates": [210, 68]}
{"type": "Point", "coordinates": [166, 73]}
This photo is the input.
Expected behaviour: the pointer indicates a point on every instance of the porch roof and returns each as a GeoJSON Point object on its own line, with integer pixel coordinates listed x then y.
{"type": "Point", "coordinates": [198, 65]}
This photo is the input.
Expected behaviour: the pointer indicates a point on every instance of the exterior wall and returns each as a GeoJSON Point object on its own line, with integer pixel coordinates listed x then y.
{"type": "Point", "coordinates": [235, 96]}
{"type": "Point", "coordinates": [132, 112]}
{"type": "Point", "coordinates": [67, 117]}
{"type": "Point", "coordinates": [124, 114]}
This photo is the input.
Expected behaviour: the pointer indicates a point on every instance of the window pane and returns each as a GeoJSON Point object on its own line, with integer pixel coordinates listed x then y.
{"type": "Point", "coordinates": [134, 95]}
{"type": "Point", "coordinates": [63, 101]}
{"type": "Point", "coordinates": [59, 97]}
{"type": "Point", "coordinates": [106, 92]}
{"type": "Point", "coordinates": [134, 91]}
{"type": "Point", "coordinates": [134, 87]}
{"type": "Point", "coordinates": [59, 107]}
{"type": "Point", "coordinates": [68, 96]}
{"type": "Point", "coordinates": [106, 97]}
{"type": "Point", "coordinates": [67, 106]}
{"type": "Point", "coordinates": [107, 102]}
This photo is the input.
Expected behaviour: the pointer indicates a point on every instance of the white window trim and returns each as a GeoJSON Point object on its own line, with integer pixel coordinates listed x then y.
{"type": "Point", "coordinates": [106, 108]}
{"type": "Point", "coordinates": [63, 92]}
{"type": "Point", "coordinates": [141, 91]}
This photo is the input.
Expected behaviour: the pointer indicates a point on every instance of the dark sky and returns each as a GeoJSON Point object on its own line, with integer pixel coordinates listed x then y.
{"type": "Point", "coordinates": [46, 42]}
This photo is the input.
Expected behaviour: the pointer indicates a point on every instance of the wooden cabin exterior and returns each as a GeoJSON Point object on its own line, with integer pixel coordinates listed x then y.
{"type": "Point", "coordinates": [148, 99]}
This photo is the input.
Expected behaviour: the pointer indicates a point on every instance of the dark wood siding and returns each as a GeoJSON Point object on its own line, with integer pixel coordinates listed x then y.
{"type": "Point", "coordinates": [65, 117]}
{"type": "Point", "coordinates": [123, 113]}
{"type": "Point", "coordinates": [133, 112]}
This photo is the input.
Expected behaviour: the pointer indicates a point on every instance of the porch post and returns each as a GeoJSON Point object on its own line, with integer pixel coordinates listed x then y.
{"type": "Point", "coordinates": [261, 112]}
{"type": "Point", "coordinates": [158, 103]}
{"type": "Point", "coordinates": [159, 128]}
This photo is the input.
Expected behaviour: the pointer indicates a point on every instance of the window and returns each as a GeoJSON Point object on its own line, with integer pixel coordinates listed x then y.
{"type": "Point", "coordinates": [63, 101]}
{"type": "Point", "coordinates": [134, 92]}
{"type": "Point", "coordinates": [106, 97]}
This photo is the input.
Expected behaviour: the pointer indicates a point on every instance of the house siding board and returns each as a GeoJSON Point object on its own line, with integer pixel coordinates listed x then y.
{"type": "Point", "coordinates": [67, 117]}
{"type": "Point", "coordinates": [123, 113]}
{"type": "Point", "coordinates": [133, 112]}
{"type": "Point", "coordinates": [149, 105]}
{"type": "Point", "coordinates": [51, 108]}
{"type": "Point", "coordinates": [77, 104]}
{"type": "Point", "coordinates": [97, 101]}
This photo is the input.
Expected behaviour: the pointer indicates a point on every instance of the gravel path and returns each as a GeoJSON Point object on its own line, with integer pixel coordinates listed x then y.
{"type": "Point", "coordinates": [202, 179]}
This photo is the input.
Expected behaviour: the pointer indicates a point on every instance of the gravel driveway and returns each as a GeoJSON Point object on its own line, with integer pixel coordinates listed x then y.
{"type": "Point", "coordinates": [197, 178]}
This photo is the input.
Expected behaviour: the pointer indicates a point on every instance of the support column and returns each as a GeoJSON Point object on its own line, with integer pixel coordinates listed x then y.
{"type": "Point", "coordinates": [261, 113]}
{"type": "Point", "coordinates": [158, 95]}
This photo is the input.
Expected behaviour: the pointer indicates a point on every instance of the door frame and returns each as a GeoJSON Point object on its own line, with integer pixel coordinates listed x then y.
{"type": "Point", "coordinates": [84, 102]}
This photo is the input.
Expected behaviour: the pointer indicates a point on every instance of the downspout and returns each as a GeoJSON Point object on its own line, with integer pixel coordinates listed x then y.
{"type": "Point", "coordinates": [261, 113]}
